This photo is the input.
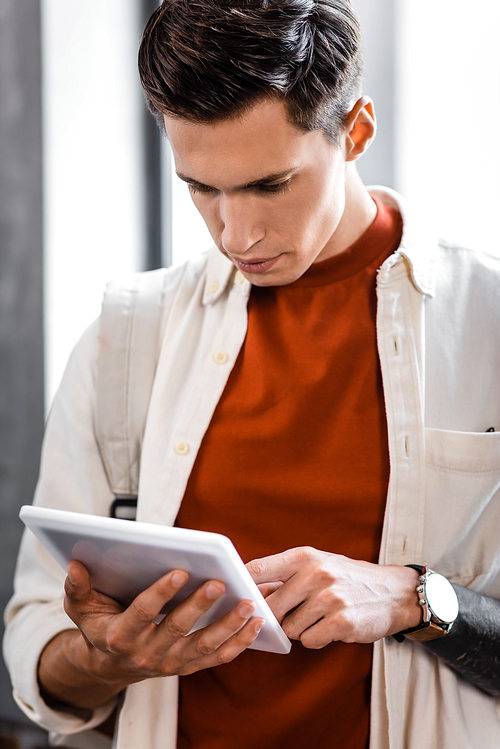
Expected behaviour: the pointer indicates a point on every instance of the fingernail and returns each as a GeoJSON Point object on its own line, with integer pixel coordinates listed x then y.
{"type": "Point", "coordinates": [258, 625]}
{"type": "Point", "coordinates": [212, 591]}
{"type": "Point", "coordinates": [178, 579]}
{"type": "Point", "coordinates": [246, 610]}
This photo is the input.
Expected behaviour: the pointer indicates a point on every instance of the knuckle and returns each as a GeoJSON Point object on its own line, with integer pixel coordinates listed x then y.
{"type": "Point", "coordinates": [324, 574]}
{"type": "Point", "coordinates": [347, 623]}
{"type": "Point", "coordinates": [327, 598]}
{"type": "Point", "coordinates": [257, 567]}
{"type": "Point", "coordinates": [204, 648]}
{"type": "Point", "coordinates": [170, 663]}
{"type": "Point", "coordinates": [304, 553]}
{"type": "Point", "coordinates": [141, 611]}
{"type": "Point", "coordinates": [175, 628]}
{"type": "Point", "coordinates": [299, 556]}
{"type": "Point", "coordinates": [200, 602]}
{"type": "Point", "coordinates": [146, 663]}
{"type": "Point", "coordinates": [344, 626]}
{"type": "Point", "coordinates": [224, 657]}
{"type": "Point", "coordinates": [343, 619]}
{"type": "Point", "coordinates": [114, 643]}
{"type": "Point", "coordinates": [321, 579]}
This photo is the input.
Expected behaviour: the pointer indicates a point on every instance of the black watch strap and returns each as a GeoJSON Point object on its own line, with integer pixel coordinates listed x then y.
{"type": "Point", "coordinates": [426, 630]}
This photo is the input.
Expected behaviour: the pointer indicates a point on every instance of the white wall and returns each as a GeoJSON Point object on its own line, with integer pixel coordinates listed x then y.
{"type": "Point", "coordinates": [190, 235]}
{"type": "Point", "coordinates": [448, 109]}
{"type": "Point", "coordinates": [92, 162]}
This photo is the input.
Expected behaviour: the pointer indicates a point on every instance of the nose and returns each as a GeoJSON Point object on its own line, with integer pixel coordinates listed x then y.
{"type": "Point", "coordinates": [241, 226]}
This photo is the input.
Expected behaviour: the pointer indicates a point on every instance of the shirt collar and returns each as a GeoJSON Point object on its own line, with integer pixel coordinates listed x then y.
{"type": "Point", "coordinates": [220, 274]}
{"type": "Point", "coordinates": [417, 246]}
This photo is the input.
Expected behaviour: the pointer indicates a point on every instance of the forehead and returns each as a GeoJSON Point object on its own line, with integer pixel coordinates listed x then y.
{"type": "Point", "coordinates": [231, 152]}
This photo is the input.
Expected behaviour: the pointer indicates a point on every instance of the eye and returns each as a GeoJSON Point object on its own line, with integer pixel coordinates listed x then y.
{"type": "Point", "coordinates": [205, 189]}
{"type": "Point", "coordinates": [275, 187]}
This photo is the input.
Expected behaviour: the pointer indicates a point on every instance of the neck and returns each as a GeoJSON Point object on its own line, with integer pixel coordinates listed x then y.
{"type": "Point", "coordinates": [359, 212]}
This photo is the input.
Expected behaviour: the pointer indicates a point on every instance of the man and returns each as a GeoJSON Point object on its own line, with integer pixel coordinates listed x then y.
{"type": "Point", "coordinates": [324, 340]}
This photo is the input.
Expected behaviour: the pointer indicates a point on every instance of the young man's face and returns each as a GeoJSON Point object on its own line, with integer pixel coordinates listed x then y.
{"type": "Point", "coordinates": [272, 195]}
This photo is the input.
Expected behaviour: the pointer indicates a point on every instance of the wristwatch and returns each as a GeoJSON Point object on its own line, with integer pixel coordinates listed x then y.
{"type": "Point", "coordinates": [439, 604]}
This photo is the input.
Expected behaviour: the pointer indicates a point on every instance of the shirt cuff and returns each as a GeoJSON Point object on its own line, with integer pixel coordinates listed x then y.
{"type": "Point", "coordinates": [26, 637]}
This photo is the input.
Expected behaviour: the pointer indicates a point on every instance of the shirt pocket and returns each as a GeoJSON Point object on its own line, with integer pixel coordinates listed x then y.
{"type": "Point", "coordinates": [464, 452]}
{"type": "Point", "coordinates": [462, 507]}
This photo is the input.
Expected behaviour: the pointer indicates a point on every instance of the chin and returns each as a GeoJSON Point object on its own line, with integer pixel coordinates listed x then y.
{"type": "Point", "coordinates": [275, 279]}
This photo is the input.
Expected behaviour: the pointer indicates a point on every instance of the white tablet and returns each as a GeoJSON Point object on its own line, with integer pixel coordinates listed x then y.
{"type": "Point", "coordinates": [124, 558]}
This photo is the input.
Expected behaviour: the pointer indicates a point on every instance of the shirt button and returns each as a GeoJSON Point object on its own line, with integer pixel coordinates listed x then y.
{"type": "Point", "coordinates": [214, 287]}
{"type": "Point", "coordinates": [181, 448]}
{"type": "Point", "coordinates": [220, 357]}
{"type": "Point", "coordinates": [239, 277]}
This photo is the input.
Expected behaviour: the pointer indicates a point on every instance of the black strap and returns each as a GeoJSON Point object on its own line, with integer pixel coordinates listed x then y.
{"type": "Point", "coordinates": [400, 636]}
{"type": "Point", "coordinates": [124, 508]}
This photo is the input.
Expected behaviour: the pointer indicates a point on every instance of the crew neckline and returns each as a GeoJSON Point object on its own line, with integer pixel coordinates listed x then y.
{"type": "Point", "coordinates": [380, 240]}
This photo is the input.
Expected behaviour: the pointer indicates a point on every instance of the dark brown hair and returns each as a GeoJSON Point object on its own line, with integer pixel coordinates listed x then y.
{"type": "Point", "coordinates": [209, 60]}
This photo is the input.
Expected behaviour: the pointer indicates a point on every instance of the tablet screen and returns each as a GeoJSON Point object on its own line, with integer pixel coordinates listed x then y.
{"type": "Point", "coordinates": [124, 558]}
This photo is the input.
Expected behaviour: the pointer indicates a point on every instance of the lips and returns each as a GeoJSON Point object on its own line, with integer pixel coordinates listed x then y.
{"type": "Point", "coordinates": [256, 265]}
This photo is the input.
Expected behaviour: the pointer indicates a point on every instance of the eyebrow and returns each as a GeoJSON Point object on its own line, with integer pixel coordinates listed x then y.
{"type": "Point", "coordinates": [248, 185]}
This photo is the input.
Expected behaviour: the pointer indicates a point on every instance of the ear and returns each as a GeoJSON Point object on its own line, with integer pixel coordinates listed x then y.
{"type": "Point", "coordinates": [360, 128]}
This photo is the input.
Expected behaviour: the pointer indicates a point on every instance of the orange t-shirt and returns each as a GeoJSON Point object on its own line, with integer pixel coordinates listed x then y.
{"type": "Point", "coordinates": [296, 455]}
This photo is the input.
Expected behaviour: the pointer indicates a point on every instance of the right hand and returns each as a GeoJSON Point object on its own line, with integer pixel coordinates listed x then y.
{"type": "Point", "coordinates": [118, 647]}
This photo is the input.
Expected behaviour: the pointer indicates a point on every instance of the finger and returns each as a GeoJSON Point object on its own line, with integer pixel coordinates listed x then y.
{"type": "Point", "coordinates": [278, 566]}
{"type": "Point", "coordinates": [316, 605]}
{"type": "Point", "coordinates": [207, 640]}
{"type": "Point", "coordinates": [183, 617]}
{"type": "Point", "coordinates": [288, 598]}
{"type": "Point", "coordinates": [228, 650]}
{"type": "Point", "coordinates": [148, 604]}
{"type": "Point", "coordinates": [319, 635]}
{"type": "Point", "coordinates": [267, 588]}
{"type": "Point", "coordinates": [301, 619]}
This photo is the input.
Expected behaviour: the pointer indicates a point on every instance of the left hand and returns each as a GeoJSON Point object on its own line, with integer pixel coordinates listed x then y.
{"type": "Point", "coordinates": [319, 597]}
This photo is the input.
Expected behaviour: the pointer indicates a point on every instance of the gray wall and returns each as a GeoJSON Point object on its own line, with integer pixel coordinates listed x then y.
{"type": "Point", "coordinates": [377, 19]}
{"type": "Point", "coordinates": [21, 256]}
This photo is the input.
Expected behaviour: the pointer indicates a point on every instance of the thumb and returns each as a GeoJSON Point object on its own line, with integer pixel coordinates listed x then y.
{"type": "Point", "coordinates": [77, 584]}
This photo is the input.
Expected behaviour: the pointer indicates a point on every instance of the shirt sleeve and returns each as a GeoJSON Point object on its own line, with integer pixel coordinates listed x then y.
{"type": "Point", "coordinates": [72, 477]}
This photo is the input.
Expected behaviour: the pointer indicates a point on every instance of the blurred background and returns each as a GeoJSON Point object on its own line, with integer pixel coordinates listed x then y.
{"type": "Point", "coordinates": [87, 191]}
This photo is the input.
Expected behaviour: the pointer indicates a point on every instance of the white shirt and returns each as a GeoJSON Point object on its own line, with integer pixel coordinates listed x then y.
{"type": "Point", "coordinates": [438, 330]}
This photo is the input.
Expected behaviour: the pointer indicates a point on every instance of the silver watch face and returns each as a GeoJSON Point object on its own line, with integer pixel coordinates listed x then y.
{"type": "Point", "coordinates": [441, 598]}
